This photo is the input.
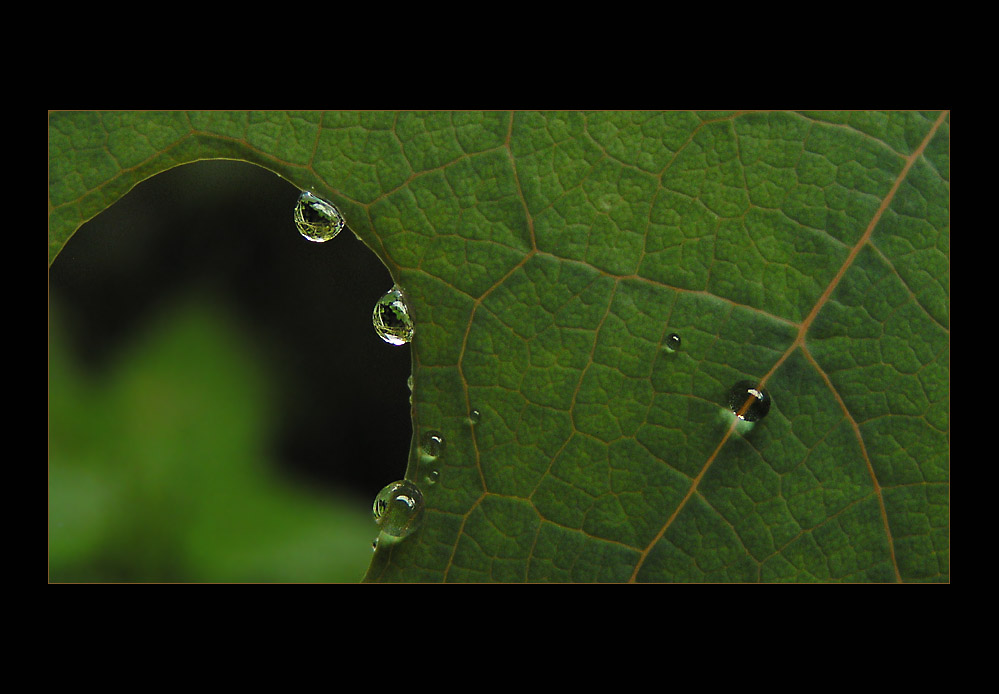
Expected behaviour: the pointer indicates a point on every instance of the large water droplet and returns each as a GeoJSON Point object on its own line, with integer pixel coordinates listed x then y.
{"type": "Point", "coordinates": [672, 342]}
{"type": "Point", "coordinates": [432, 443]}
{"type": "Point", "coordinates": [391, 318]}
{"type": "Point", "coordinates": [316, 219]}
{"type": "Point", "coordinates": [398, 508]}
{"type": "Point", "coordinates": [753, 402]}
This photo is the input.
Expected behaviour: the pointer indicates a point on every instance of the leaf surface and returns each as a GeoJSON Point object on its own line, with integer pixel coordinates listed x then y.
{"type": "Point", "coordinates": [547, 257]}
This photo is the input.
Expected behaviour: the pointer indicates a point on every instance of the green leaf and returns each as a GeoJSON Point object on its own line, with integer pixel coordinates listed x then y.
{"type": "Point", "coordinates": [547, 256]}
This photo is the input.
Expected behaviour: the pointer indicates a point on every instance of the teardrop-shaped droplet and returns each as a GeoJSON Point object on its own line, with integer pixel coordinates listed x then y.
{"type": "Point", "coordinates": [432, 444]}
{"type": "Point", "coordinates": [474, 416]}
{"type": "Point", "coordinates": [748, 401]}
{"type": "Point", "coordinates": [398, 508]}
{"type": "Point", "coordinates": [316, 219]}
{"type": "Point", "coordinates": [672, 342]}
{"type": "Point", "coordinates": [391, 318]}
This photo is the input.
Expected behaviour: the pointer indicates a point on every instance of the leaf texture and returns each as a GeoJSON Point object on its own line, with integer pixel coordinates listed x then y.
{"type": "Point", "coordinates": [546, 257]}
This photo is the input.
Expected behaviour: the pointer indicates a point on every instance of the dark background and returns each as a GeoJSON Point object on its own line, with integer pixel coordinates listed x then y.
{"type": "Point", "coordinates": [226, 229]}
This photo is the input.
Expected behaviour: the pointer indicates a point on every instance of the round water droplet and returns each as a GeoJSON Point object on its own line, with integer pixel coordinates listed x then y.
{"type": "Point", "coordinates": [753, 402]}
{"type": "Point", "coordinates": [672, 342]}
{"type": "Point", "coordinates": [316, 219]}
{"type": "Point", "coordinates": [432, 476]}
{"type": "Point", "coordinates": [474, 416]}
{"type": "Point", "coordinates": [398, 508]}
{"type": "Point", "coordinates": [391, 318]}
{"type": "Point", "coordinates": [432, 443]}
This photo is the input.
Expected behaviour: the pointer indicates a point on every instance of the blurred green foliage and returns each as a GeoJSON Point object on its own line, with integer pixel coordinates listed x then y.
{"type": "Point", "coordinates": [158, 469]}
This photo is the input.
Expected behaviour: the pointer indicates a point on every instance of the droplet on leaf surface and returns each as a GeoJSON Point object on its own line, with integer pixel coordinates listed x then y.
{"type": "Point", "coordinates": [316, 219]}
{"type": "Point", "coordinates": [474, 416]}
{"type": "Point", "coordinates": [672, 342]}
{"type": "Point", "coordinates": [391, 318]}
{"type": "Point", "coordinates": [398, 508]}
{"type": "Point", "coordinates": [432, 443]}
{"type": "Point", "coordinates": [753, 402]}
{"type": "Point", "coordinates": [432, 476]}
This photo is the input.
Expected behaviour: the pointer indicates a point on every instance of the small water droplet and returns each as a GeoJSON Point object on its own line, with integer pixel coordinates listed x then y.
{"type": "Point", "coordinates": [744, 395]}
{"type": "Point", "coordinates": [374, 544]}
{"type": "Point", "coordinates": [432, 476]}
{"type": "Point", "coordinates": [474, 416]}
{"type": "Point", "coordinates": [398, 508]}
{"type": "Point", "coordinates": [316, 219]}
{"type": "Point", "coordinates": [432, 443]}
{"type": "Point", "coordinates": [391, 318]}
{"type": "Point", "coordinates": [672, 342]}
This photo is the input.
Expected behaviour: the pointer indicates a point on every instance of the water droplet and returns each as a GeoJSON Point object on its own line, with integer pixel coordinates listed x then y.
{"type": "Point", "coordinates": [672, 342]}
{"type": "Point", "coordinates": [398, 508]}
{"type": "Point", "coordinates": [474, 416]}
{"type": "Point", "coordinates": [374, 544]}
{"type": "Point", "coordinates": [432, 443]}
{"type": "Point", "coordinates": [744, 395]}
{"type": "Point", "coordinates": [316, 219]}
{"type": "Point", "coordinates": [432, 476]}
{"type": "Point", "coordinates": [391, 318]}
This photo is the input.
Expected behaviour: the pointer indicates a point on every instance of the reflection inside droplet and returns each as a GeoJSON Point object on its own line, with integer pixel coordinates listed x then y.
{"type": "Point", "coordinates": [432, 443]}
{"type": "Point", "coordinates": [749, 402]}
{"type": "Point", "coordinates": [398, 508]}
{"type": "Point", "coordinates": [317, 219]}
{"type": "Point", "coordinates": [391, 318]}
